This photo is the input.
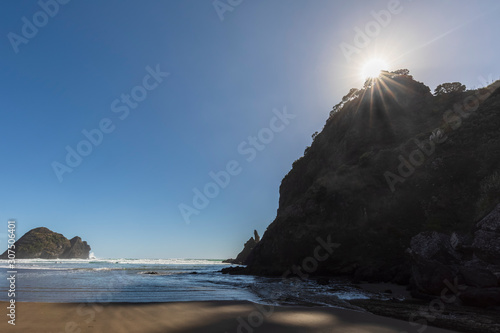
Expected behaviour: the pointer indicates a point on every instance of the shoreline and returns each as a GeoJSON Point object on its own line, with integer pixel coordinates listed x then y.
{"type": "Point", "coordinates": [193, 317]}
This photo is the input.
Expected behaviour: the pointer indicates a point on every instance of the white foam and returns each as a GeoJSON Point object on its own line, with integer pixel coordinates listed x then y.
{"type": "Point", "coordinates": [109, 262]}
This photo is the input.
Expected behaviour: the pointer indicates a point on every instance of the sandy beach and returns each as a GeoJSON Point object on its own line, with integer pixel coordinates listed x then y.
{"type": "Point", "coordinates": [192, 317]}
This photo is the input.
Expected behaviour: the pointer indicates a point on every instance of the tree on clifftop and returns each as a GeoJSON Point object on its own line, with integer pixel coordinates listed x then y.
{"type": "Point", "coordinates": [447, 88]}
{"type": "Point", "coordinates": [403, 71]}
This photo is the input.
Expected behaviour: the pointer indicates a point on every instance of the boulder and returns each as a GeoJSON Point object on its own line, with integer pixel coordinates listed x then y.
{"type": "Point", "coordinates": [434, 246]}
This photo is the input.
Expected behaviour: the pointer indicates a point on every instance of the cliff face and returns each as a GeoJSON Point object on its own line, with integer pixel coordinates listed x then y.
{"type": "Point", "coordinates": [46, 244]}
{"type": "Point", "coordinates": [391, 162]}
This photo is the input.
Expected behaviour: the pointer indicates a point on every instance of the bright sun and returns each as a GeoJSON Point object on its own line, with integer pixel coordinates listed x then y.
{"type": "Point", "coordinates": [372, 68]}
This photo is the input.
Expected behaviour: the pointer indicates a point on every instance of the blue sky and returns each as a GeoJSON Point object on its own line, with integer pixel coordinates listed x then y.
{"type": "Point", "coordinates": [226, 81]}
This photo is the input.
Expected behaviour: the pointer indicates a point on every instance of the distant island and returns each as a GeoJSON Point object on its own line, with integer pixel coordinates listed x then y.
{"type": "Point", "coordinates": [45, 244]}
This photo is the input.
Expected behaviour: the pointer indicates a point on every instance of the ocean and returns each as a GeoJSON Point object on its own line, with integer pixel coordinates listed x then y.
{"type": "Point", "coordinates": [160, 280]}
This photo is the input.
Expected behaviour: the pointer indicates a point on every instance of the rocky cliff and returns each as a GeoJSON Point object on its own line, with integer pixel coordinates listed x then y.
{"type": "Point", "coordinates": [247, 249]}
{"type": "Point", "coordinates": [392, 161]}
{"type": "Point", "coordinates": [46, 244]}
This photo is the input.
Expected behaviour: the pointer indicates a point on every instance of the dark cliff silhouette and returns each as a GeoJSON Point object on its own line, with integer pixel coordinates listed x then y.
{"type": "Point", "coordinates": [392, 161]}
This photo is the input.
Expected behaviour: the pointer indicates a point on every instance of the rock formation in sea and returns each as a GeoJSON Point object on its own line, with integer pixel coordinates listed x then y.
{"type": "Point", "coordinates": [395, 166]}
{"type": "Point", "coordinates": [247, 248]}
{"type": "Point", "coordinates": [46, 244]}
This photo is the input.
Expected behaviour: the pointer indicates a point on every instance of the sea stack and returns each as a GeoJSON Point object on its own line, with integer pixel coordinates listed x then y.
{"type": "Point", "coordinates": [247, 248]}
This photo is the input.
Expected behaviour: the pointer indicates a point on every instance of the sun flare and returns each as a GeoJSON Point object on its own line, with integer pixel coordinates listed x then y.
{"type": "Point", "coordinates": [372, 68]}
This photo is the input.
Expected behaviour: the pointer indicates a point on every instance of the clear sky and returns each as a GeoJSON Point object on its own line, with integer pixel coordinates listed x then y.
{"type": "Point", "coordinates": [233, 66]}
